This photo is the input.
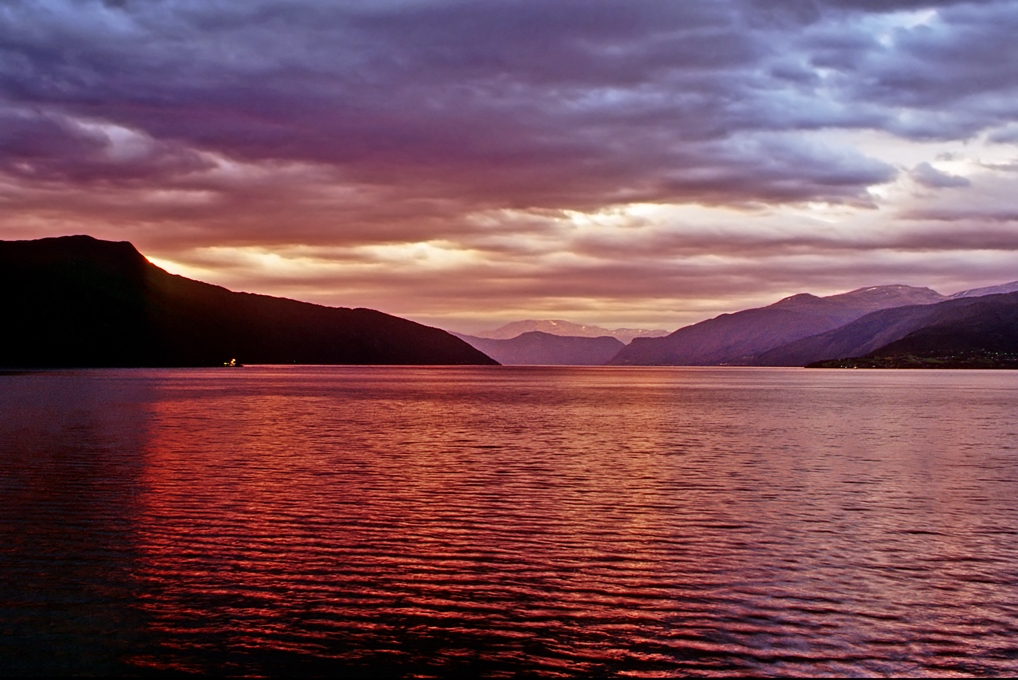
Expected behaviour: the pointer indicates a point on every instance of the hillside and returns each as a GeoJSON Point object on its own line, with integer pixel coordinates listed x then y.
{"type": "Point", "coordinates": [78, 301]}
{"type": "Point", "coordinates": [958, 325]}
{"type": "Point", "coordinates": [980, 334]}
{"type": "Point", "coordinates": [969, 360]}
{"type": "Point", "coordinates": [740, 337]}
{"type": "Point", "coordinates": [544, 349]}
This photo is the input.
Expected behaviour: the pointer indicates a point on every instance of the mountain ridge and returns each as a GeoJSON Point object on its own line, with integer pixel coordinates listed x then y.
{"type": "Point", "coordinates": [565, 329]}
{"type": "Point", "coordinates": [78, 301]}
{"type": "Point", "coordinates": [737, 338]}
{"type": "Point", "coordinates": [967, 332]}
{"type": "Point", "coordinates": [535, 348]}
{"type": "Point", "coordinates": [1011, 287]}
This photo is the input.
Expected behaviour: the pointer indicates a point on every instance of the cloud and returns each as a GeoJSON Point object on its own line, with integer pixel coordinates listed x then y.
{"type": "Point", "coordinates": [47, 148]}
{"type": "Point", "coordinates": [930, 177]}
{"type": "Point", "coordinates": [478, 127]}
{"type": "Point", "coordinates": [1006, 135]}
{"type": "Point", "coordinates": [514, 103]}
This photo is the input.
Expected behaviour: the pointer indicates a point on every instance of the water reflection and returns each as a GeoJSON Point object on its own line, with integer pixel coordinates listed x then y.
{"type": "Point", "coordinates": [575, 521]}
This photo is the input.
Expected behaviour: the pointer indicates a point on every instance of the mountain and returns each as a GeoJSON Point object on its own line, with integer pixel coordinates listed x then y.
{"type": "Point", "coordinates": [989, 290]}
{"type": "Point", "coordinates": [977, 332]}
{"type": "Point", "coordinates": [738, 338]}
{"type": "Point", "coordinates": [567, 328]}
{"type": "Point", "coordinates": [544, 349]}
{"type": "Point", "coordinates": [78, 301]}
{"type": "Point", "coordinates": [875, 332]}
{"type": "Point", "coordinates": [853, 339]}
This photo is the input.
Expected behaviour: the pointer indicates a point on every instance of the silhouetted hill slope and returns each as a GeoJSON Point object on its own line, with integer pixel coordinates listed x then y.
{"type": "Point", "coordinates": [569, 329]}
{"type": "Point", "coordinates": [977, 359]}
{"type": "Point", "coordinates": [544, 349]}
{"type": "Point", "coordinates": [990, 326]}
{"type": "Point", "coordinates": [738, 338]}
{"type": "Point", "coordinates": [78, 301]}
{"type": "Point", "coordinates": [963, 324]}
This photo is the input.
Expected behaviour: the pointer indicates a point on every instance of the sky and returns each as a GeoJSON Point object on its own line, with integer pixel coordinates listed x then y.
{"type": "Point", "coordinates": [639, 163]}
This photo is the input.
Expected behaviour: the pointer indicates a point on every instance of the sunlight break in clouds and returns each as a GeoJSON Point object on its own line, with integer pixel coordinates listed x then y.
{"type": "Point", "coordinates": [618, 162]}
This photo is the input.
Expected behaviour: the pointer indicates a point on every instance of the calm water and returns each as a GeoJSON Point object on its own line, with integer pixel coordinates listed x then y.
{"type": "Point", "coordinates": [509, 521]}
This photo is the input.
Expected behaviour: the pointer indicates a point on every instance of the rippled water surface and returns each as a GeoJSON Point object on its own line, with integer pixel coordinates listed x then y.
{"type": "Point", "coordinates": [509, 521]}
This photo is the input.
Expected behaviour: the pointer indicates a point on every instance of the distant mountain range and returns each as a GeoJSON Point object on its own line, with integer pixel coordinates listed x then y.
{"type": "Point", "coordinates": [741, 337]}
{"type": "Point", "coordinates": [77, 301]}
{"type": "Point", "coordinates": [973, 332]}
{"type": "Point", "coordinates": [881, 323]}
{"type": "Point", "coordinates": [535, 348]}
{"type": "Point", "coordinates": [882, 332]}
{"type": "Point", "coordinates": [567, 328]}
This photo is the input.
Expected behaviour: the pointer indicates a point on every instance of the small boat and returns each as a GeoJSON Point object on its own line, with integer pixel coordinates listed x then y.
{"type": "Point", "coordinates": [232, 363]}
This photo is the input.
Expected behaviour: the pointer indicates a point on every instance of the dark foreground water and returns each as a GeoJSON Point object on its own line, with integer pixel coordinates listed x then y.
{"type": "Point", "coordinates": [509, 521]}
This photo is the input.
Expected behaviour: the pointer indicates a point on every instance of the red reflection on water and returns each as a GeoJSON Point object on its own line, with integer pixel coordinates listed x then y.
{"type": "Point", "coordinates": [566, 521]}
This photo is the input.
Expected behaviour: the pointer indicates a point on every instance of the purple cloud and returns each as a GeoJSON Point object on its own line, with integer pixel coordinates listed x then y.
{"type": "Point", "coordinates": [479, 127]}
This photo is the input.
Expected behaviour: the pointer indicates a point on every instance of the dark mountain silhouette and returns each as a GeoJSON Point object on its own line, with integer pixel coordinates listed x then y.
{"type": "Point", "coordinates": [567, 328]}
{"type": "Point", "coordinates": [544, 349]}
{"type": "Point", "coordinates": [738, 338]}
{"type": "Point", "coordinates": [853, 339]}
{"type": "Point", "coordinates": [977, 332]}
{"type": "Point", "coordinates": [977, 359]}
{"type": "Point", "coordinates": [78, 301]}
{"type": "Point", "coordinates": [958, 325]}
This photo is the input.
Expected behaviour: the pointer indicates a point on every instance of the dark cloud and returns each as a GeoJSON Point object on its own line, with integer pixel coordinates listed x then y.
{"type": "Point", "coordinates": [566, 104]}
{"type": "Point", "coordinates": [953, 77]}
{"type": "Point", "coordinates": [51, 148]}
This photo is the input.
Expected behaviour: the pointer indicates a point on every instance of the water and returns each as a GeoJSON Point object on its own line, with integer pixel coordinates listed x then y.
{"type": "Point", "coordinates": [507, 521]}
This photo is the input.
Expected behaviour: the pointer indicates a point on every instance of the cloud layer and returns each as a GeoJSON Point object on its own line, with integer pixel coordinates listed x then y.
{"type": "Point", "coordinates": [633, 161]}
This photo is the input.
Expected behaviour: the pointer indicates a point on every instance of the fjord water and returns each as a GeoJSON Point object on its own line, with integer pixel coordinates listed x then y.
{"type": "Point", "coordinates": [538, 521]}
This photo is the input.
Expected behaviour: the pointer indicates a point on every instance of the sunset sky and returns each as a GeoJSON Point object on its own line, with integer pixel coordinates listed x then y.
{"type": "Point", "coordinates": [618, 162]}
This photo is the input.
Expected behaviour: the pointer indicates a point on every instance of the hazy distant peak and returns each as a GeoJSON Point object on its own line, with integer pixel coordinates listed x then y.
{"type": "Point", "coordinates": [988, 290]}
{"type": "Point", "coordinates": [896, 286]}
{"type": "Point", "coordinates": [911, 295]}
{"type": "Point", "coordinates": [798, 298]}
{"type": "Point", "coordinates": [537, 348]}
{"type": "Point", "coordinates": [552, 326]}
{"type": "Point", "coordinates": [567, 328]}
{"type": "Point", "coordinates": [544, 334]}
